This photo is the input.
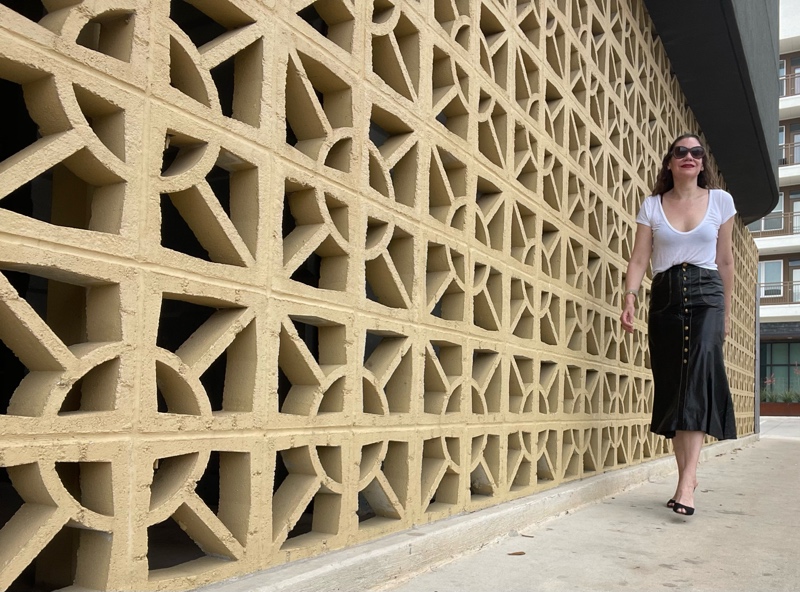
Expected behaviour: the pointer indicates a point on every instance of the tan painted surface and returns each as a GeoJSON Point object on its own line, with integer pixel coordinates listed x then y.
{"type": "Point", "coordinates": [458, 186]}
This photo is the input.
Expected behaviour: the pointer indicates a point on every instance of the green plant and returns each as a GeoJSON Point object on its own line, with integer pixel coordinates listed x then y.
{"type": "Point", "coordinates": [774, 396]}
{"type": "Point", "coordinates": [768, 395]}
{"type": "Point", "coordinates": [790, 397]}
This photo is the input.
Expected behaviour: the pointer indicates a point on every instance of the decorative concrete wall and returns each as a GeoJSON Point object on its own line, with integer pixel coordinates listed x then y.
{"type": "Point", "coordinates": [279, 277]}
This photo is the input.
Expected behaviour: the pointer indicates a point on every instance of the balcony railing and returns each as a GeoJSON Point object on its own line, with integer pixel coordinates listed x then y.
{"type": "Point", "coordinates": [781, 224]}
{"type": "Point", "coordinates": [789, 85]}
{"type": "Point", "coordinates": [789, 153]}
{"type": "Point", "coordinates": [779, 293]}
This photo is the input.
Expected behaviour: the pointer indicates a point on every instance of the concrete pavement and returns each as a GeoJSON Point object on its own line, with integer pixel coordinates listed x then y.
{"type": "Point", "coordinates": [744, 536]}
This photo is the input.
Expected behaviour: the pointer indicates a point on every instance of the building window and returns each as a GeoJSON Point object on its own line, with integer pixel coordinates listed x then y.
{"type": "Point", "coordinates": [781, 78]}
{"type": "Point", "coordinates": [793, 78]}
{"type": "Point", "coordinates": [793, 145]}
{"type": "Point", "coordinates": [780, 368]}
{"type": "Point", "coordinates": [770, 278]}
{"type": "Point", "coordinates": [772, 221]}
{"type": "Point", "coordinates": [794, 206]}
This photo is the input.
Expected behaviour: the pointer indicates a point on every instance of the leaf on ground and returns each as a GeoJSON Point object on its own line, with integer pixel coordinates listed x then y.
{"type": "Point", "coordinates": [517, 553]}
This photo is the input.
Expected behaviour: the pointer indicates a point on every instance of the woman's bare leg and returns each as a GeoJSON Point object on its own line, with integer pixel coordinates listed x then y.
{"type": "Point", "coordinates": [677, 448]}
{"type": "Point", "coordinates": [687, 453]}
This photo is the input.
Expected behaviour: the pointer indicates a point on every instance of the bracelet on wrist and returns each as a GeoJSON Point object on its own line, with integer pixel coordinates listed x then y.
{"type": "Point", "coordinates": [634, 292]}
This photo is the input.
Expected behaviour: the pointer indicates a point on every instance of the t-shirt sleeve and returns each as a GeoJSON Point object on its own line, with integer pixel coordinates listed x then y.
{"type": "Point", "coordinates": [643, 217]}
{"type": "Point", "coordinates": [727, 209]}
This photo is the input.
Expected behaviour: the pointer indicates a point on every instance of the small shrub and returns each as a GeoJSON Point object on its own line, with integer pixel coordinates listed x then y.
{"type": "Point", "coordinates": [771, 396]}
{"type": "Point", "coordinates": [768, 396]}
{"type": "Point", "coordinates": [790, 397]}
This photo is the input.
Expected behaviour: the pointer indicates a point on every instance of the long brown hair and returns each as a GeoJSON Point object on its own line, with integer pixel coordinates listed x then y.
{"type": "Point", "coordinates": [664, 181]}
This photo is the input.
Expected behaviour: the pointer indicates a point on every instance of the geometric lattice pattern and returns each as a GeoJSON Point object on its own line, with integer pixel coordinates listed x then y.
{"type": "Point", "coordinates": [283, 276]}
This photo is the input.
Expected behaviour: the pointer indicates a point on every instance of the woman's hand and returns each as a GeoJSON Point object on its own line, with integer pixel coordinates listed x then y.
{"type": "Point", "coordinates": [727, 325]}
{"type": "Point", "coordinates": [629, 312]}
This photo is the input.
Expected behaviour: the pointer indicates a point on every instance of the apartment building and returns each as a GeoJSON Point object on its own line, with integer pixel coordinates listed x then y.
{"type": "Point", "coordinates": [777, 235]}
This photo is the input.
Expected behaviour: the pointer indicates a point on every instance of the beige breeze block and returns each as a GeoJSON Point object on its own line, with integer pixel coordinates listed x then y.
{"type": "Point", "coordinates": [284, 277]}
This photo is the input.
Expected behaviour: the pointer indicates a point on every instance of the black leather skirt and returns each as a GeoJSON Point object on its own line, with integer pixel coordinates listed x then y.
{"type": "Point", "coordinates": [686, 332]}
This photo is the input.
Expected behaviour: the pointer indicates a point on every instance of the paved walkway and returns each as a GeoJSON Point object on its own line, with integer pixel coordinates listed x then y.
{"type": "Point", "coordinates": [744, 536]}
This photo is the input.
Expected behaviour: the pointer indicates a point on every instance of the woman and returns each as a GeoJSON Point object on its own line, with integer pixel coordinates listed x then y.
{"type": "Point", "coordinates": [685, 230]}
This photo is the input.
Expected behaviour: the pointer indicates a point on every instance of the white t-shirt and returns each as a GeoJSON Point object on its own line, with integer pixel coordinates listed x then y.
{"type": "Point", "coordinates": [697, 246]}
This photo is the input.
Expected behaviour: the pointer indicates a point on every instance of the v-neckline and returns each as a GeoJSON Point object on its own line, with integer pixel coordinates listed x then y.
{"type": "Point", "coordinates": [698, 225]}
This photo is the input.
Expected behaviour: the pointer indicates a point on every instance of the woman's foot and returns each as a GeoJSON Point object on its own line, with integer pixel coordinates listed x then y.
{"type": "Point", "coordinates": [671, 501]}
{"type": "Point", "coordinates": [683, 502]}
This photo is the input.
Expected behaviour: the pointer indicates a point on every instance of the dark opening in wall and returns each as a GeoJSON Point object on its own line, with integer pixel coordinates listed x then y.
{"type": "Point", "coordinates": [237, 79]}
{"type": "Point", "coordinates": [196, 24]}
{"type": "Point", "coordinates": [94, 391]}
{"type": "Point", "coordinates": [63, 562]}
{"type": "Point", "coordinates": [169, 545]}
{"type": "Point", "coordinates": [12, 371]}
{"type": "Point", "coordinates": [310, 15]}
{"type": "Point", "coordinates": [11, 499]}
{"type": "Point", "coordinates": [224, 78]}
{"type": "Point", "coordinates": [65, 309]}
{"type": "Point", "coordinates": [30, 9]}
{"type": "Point", "coordinates": [81, 195]}
{"type": "Point", "coordinates": [196, 220]}
{"type": "Point", "coordinates": [371, 341]}
{"type": "Point", "coordinates": [20, 131]}
{"type": "Point", "coordinates": [169, 156]}
{"type": "Point", "coordinates": [364, 511]}
{"type": "Point", "coordinates": [176, 234]}
{"type": "Point", "coordinates": [220, 181]}
{"type": "Point", "coordinates": [62, 306]}
{"type": "Point", "coordinates": [310, 271]}
{"type": "Point", "coordinates": [178, 321]}
{"type": "Point", "coordinates": [213, 381]}
{"type": "Point", "coordinates": [284, 386]}
{"type": "Point", "coordinates": [291, 138]}
{"type": "Point", "coordinates": [208, 485]}
{"type": "Point", "coordinates": [332, 19]}
{"type": "Point", "coordinates": [304, 524]}
{"type": "Point", "coordinates": [310, 335]}
{"type": "Point", "coordinates": [173, 541]}
{"type": "Point", "coordinates": [26, 581]}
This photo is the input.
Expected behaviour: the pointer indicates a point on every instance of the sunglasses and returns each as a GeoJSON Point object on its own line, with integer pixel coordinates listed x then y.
{"type": "Point", "coordinates": [697, 152]}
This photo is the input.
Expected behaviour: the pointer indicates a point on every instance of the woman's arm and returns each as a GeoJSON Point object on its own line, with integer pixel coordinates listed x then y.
{"type": "Point", "coordinates": [725, 267]}
{"type": "Point", "coordinates": [637, 266]}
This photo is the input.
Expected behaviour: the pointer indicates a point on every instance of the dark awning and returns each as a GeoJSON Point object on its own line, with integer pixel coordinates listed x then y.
{"type": "Point", "coordinates": [725, 56]}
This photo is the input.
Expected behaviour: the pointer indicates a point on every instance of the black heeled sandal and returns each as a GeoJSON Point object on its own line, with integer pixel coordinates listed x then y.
{"type": "Point", "coordinates": [671, 501]}
{"type": "Point", "coordinates": [687, 510]}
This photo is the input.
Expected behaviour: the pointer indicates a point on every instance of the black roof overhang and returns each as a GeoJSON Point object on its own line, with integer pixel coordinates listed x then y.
{"type": "Point", "coordinates": [724, 54]}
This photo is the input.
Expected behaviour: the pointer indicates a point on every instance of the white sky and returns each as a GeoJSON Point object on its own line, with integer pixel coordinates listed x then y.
{"type": "Point", "coordinates": [789, 18]}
